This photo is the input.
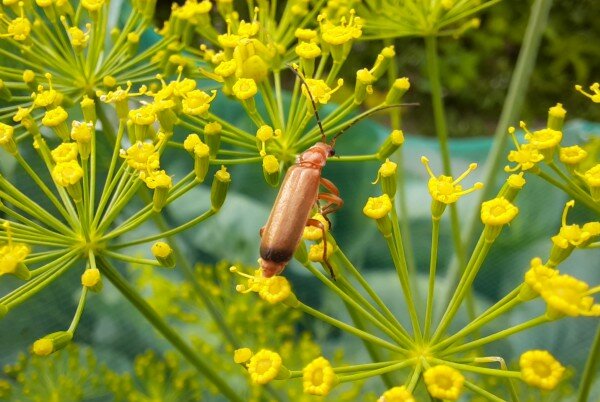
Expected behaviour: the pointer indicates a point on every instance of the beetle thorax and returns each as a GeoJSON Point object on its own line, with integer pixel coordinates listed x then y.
{"type": "Point", "coordinates": [315, 156]}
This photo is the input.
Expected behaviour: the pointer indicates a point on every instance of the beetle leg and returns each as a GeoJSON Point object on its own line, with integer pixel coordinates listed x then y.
{"type": "Point", "coordinates": [261, 231]}
{"type": "Point", "coordinates": [334, 202]}
{"type": "Point", "coordinates": [318, 224]}
{"type": "Point", "coordinates": [328, 184]}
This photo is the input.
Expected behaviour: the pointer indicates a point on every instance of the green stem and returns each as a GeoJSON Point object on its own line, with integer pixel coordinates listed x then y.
{"type": "Point", "coordinates": [380, 371]}
{"type": "Point", "coordinates": [439, 116]}
{"type": "Point", "coordinates": [498, 335]}
{"type": "Point", "coordinates": [79, 311]}
{"type": "Point", "coordinates": [202, 365]}
{"type": "Point", "coordinates": [589, 373]}
{"type": "Point", "coordinates": [486, 394]}
{"type": "Point", "coordinates": [349, 328]}
{"type": "Point", "coordinates": [435, 237]}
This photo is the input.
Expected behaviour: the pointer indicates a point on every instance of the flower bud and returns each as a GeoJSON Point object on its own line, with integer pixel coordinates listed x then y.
{"type": "Point", "coordinates": [218, 190]}
{"type": "Point", "coordinates": [378, 208]}
{"type": "Point", "coordinates": [142, 119]}
{"type": "Point", "coordinates": [212, 137]}
{"type": "Point", "coordinates": [161, 183]}
{"type": "Point", "coordinates": [7, 140]}
{"type": "Point", "coordinates": [164, 254]}
{"type": "Point", "coordinates": [556, 117]}
{"type": "Point", "coordinates": [363, 86]}
{"type": "Point", "coordinates": [68, 175]}
{"type": "Point", "coordinates": [89, 110]}
{"type": "Point", "coordinates": [82, 134]}
{"type": "Point", "coordinates": [270, 166]}
{"type": "Point", "coordinates": [51, 343]}
{"type": "Point", "coordinates": [391, 144]}
{"type": "Point", "coordinates": [388, 176]}
{"type": "Point", "coordinates": [242, 355]}
{"type": "Point", "coordinates": [56, 119]}
{"type": "Point", "coordinates": [92, 280]}
{"type": "Point", "coordinates": [495, 214]}
{"type": "Point", "coordinates": [383, 61]}
{"type": "Point", "coordinates": [397, 91]}
{"type": "Point", "coordinates": [201, 161]}
{"type": "Point", "coordinates": [513, 185]}
{"type": "Point", "coordinates": [5, 93]}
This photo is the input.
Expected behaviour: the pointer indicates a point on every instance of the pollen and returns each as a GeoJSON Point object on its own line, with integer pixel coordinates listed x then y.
{"type": "Point", "coordinates": [397, 394]}
{"type": "Point", "coordinates": [275, 289]}
{"type": "Point", "coordinates": [498, 211]}
{"type": "Point", "coordinates": [264, 366]}
{"type": "Point", "coordinates": [67, 173]}
{"type": "Point", "coordinates": [378, 207]}
{"type": "Point", "coordinates": [318, 377]}
{"type": "Point", "coordinates": [444, 382]}
{"type": "Point", "coordinates": [244, 88]}
{"type": "Point", "coordinates": [540, 369]}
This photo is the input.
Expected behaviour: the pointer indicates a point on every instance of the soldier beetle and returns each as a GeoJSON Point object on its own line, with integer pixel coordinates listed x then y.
{"type": "Point", "coordinates": [298, 194]}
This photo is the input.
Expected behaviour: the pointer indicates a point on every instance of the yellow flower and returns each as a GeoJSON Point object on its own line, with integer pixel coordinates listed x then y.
{"type": "Point", "coordinates": [316, 251]}
{"type": "Point", "coordinates": [446, 190]}
{"type": "Point", "coordinates": [570, 235]}
{"type": "Point", "coordinates": [142, 156]}
{"type": "Point", "coordinates": [67, 173]}
{"type": "Point", "coordinates": [318, 377]}
{"type": "Point", "coordinates": [540, 369]}
{"type": "Point", "coordinates": [19, 28]}
{"type": "Point", "coordinates": [444, 382]}
{"type": "Point", "coordinates": [242, 355]}
{"type": "Point", "coordinates": [542, 139]}
{"type": "Point", "coordinates": [526, 156]}
{"type": "Point", "coordinates": [595, 96]}
{"type": "Point", "coordinates": [572, 155]}
{"type": "Point", "coordinates": [65, 152]}
{"type": "Point", "coordinates": [397, 394]}
{"type": "Point", "coordinates": [275, 289]}
{"type": "Point", "coordinates": [78, 38]}
{"type": "Point", "coordinates": [264, 133]}
{"type": "Point", "coordinates": [157, 179]}
{"type": "Point", "coordinates": [264, 366]}
{"type": "Point", "coordinates": [161, 249]}
{"type": "Point", "coordinates": [12, 255]}
{"type": "Point", "coordinates": [6, 133]}
{"type": "Point", "coordinates": [498, 211]}
{"type": "Point", "coordinates": [54, 117]}
{"type": "Point", "coordinates": [143, 116]}
{"type": "Point", "coordinates": [244, 88]}
{"type": "Point", "coordinates": [308, 50]}
{"type": "Point", "coordinates": [320, 91]}
{"type": "Point", "coordinates": [378, 207]}
{"type": "Point", "coordinates": [592, 179]}
{"type": "Point", "coordinates": [226, 68]}
{"type": "Point", "coordinates": [81, 132]}
{"type": "Point", "coordinates": [270, 164]}
{"type": "Point", "coordinates": [191, 141]}
{"type": "Point", "coordinates": [197, 102]}
{"type": "Point", "coordinates": [314, 233]}
{"type": "Point", "coordinates": [305, 34]}
{"type": "Point", "coordinates": [516, 180]}
{"type": "Point", "coordinates": [567, 295]}
{"type": "Point", "coordinates": [90, 278]}
{"type": "Point", "coordinates": [92, 5]}
{"type": "Point", "coordinates": [201, 150]}
{"type": "Point", "coordinates": [343, 33]}
{"type": "Point", "coordinates": [538, 275]}
{"type": "Point", "coordinates": [43, 347]}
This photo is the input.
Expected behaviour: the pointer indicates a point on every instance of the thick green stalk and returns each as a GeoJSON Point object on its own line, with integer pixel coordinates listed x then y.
{"type": "Point", "coordinates": [441, 128]}
{"type": "Point", "coordinates": [169, 333]}
{"type": "Point", "coordinates": [590, 372]}
{"type": "Point", "coordinates": [510, 110]}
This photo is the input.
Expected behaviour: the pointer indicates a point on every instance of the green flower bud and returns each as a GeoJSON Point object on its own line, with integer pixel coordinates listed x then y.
{"type": "Point", "coordinates": [271, 170]}
{"type": "Point", "coordinates": [212, 137]}
{"type": "Point", "coordinates": [52, 343]}
{"type": "Point", "coordinates": [363, 87]}
{"type": "Point", "coordinates": [219, 188]}
{"type": "Point", "coordinates": [513, 185]}
{"type": "Point", "coordinates": [163, 254]}
{"type": "Point", "coordinates": [388, 176]}
{"type": "Point", "coordinates": [391, 144]}
{"type": "Point", "coordinates": [556, 117]}
{"type": "Point", "coordinates": [89, 110]}
{"type": "Point", "coordinates": [397, 91]}
{"type": "Point", "coordinates": [201, 161]}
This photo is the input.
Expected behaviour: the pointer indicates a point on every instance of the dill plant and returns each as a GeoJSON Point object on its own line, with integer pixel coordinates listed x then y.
{"type": "Point", "coordinates": [84, 213]}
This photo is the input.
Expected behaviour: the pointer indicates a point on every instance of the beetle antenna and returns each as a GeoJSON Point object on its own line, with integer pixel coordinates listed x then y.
{"type": "Point", "coordinates": [364, 115]}
{"type": "Point", "coordinates": [312, 100]}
